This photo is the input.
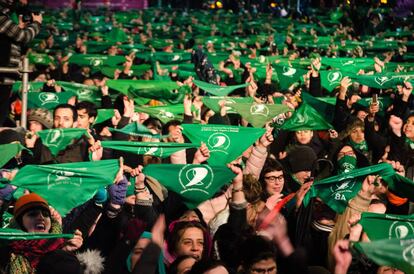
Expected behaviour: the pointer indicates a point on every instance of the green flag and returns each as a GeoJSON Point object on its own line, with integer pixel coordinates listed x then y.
{"type": "Point", "coordinates": [384, 103]}
{"type": "Point", "coordinates": [306, 118]}
{"type": "Point", "coordinates": [40, 59]}
{"type": "Point", "coordinates": [48, 100]}
{"type": "Point", "coordinates": [83, 92]}
{"type": "Point", "coordinates": [259, 114]}
{"type": "Point", "coordinates": [104, 115]}
{"type": "Point", "coordinates": [136, 129]}
{"type": "Point", "coordinates": [8, 151]}
{"type": "Point", "coordinates": [338, 190]}
{"type": "Point", "coordinates": [349, 64]}
{"type": "Point", "coordinates": [398, 253]}
{"type": "Point", "coordinates": [325, 106]}
{"type": "Point", "coordinates": [195, 183]}
{"type": "Point", "coordinates": [158, 149]}
{"type": "Point", "coordinates": [400, 185]}
{"type": "Point", "coordinates": [95, 60]}
{"type": "Point", "coordinates": [225, 143]}
{"type": "Point", "coordinates": [66, 186]}
{"type": "Point", "coordinates": [387, 226]}
{"type": "Point", "coordinates": [33, 87]}
{"type": "Point", "coordinates": [58, 139]}
{"type": "Point", "coordinates": [164, 113]}
{"type": "Point", "coordinates": [212, 102]}
{"type": "Point", "coordinates": [288, 75]}
{"type": "Point", "coordinates": [165, 91]}
{"type": "Point", "coordinates": [383, 80]}
{"type": "Point", "coordinates": [10, 234]}
{"type": "Point", "coordinates": [330, 79]}
{"type": "Point", "coordinates": [217, 90]}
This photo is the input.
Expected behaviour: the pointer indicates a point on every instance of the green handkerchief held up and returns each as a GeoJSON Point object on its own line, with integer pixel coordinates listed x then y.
{"type": "Point", "coordinates": [194, 183]}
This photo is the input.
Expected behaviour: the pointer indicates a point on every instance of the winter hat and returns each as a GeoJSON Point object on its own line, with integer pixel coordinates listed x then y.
{"type": "Point", "coordinates": [59, 261]}
{"type": "Point", "coordinates": [27, 202]}
{"type": "Point", "coordinates": [301, 158]}
{"type": "Point", "coordinates": [42, 116]}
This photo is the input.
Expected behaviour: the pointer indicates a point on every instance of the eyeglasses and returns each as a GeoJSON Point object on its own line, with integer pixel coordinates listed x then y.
{"type": "Point", "coordinates": [275, 178]}
{"type": "Point", "coordinates": [270, 270]}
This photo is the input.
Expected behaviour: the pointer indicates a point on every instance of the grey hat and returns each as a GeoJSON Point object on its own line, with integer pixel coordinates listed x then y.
{"type": "Point", "coordinates": [42, 116]}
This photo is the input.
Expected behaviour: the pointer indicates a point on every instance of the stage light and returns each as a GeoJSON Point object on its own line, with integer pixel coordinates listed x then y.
{"type": "Point", "coordinates": [384, 2]}
{"type": "Point", "coordinates": [219, 5]}
{"type": "Point", "coordinates": [273, 5]}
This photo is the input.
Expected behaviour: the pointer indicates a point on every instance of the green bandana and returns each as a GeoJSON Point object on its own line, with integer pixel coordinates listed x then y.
{"type": "Point", "coordinates": [9, 151]}
{"type": "Point", "coordinates": [338, 190]}
{"type": "Point", "coordinates": [306, 118]}
{"type": "Point", "coordinates": [225, 143]}
{"type": "Point", "coordinates": [390, 252]}
{"type": "Point", "coordinates": [48, 100]}
{"type": "Point", "coordinates": [195, 183]}
{"type": "Point", "coordinates": [212, 102]}
{"type": "Point", "coordinates": [66, 186]}
{"type": "Point", "coordinates": [387, 226]}
{"type": "Point", "coordinates": [58, 139]}
{"type": "Point", "coordinates": [259, 114]}
{"type": "Point", "coordinates": [104, 115]}
{"type": "Point", "coordinates": [136, 129]}
{"type": "Point", "coordinates": [217, 90]}
{"type": "Point", "coordinates": [363, 146]}
{"type": "Point", "coordinates": [346, 164]}
{"type": "Point", "coordinates": [10, 234]}
{"type": "Point", "coordinates": [409, 142]}
{"type": "Point", "coordinates": [157, 149]}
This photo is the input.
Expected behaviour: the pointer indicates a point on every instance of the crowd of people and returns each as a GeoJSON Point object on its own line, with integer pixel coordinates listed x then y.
{"type": "Point", "coordinates": [207, 141]}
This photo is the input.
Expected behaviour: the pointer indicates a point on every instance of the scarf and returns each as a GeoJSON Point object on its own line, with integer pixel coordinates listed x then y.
{"type": "Point", "coordinates": [26, 254]}
{"type": "Point", "coordinates": [409, 142]}
{"type": "Point", "coordinates": [346, 164]}
{"type": "Point", "coordinates": [363, 147]}
{"type": "Point", "coordinates": [33, 250]}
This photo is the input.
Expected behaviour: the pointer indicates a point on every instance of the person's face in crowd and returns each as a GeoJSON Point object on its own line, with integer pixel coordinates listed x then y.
{"type": "Point", "coordinates": [175, 133]}
{"type": "Point", "coordinates": [388, 270]}
{"type": "Point", "coordinates": [37, 220]}
{"type": "Point", "coordinates": [217, 270]}
{"type": "Point", "coordinates": [63, 118]}
{"type": "Point", "coordinates": [267, 266]}
{"type": "Point", "coordinates": [357, 135]}
{"type": "Point", "coordinates": [304, 136]}
{"type": "Point", "coordinates": [274, 182]}
{"type": "Point", "coordinates": [35, 126]}
{"type": "Point", "coordinates": [409, 128]}
{"type": "Point", "coordinates": [138, 249]}
{"type": "Point", "coordinates": [346, 151]}
{"type": "Point", "coordinates": [191, 243]}
{"type": "Point", "coordinates": [185, 266]}
{"type": "Point", "coordinates": [84, 121]}
{"type": "Point", "coordinates": [361, 114]}
{"type": "Point", "coordinates": [301, 176]}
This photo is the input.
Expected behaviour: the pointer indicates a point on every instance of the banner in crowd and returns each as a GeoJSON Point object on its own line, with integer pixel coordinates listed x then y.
{"type": "Point", "coordinates": [59, 139]}
{"type": "Point", "coordinates": [194, 183]}
{"type": "Point", "coordinates": [225, 143]}
{"type": "Point", "coordinates": [65, 186]}
{"type": "Point", "coordinates": [158, 149]}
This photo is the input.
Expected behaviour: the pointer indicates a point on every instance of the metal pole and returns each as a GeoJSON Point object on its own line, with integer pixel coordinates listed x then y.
{"type": "Point", "coordinates": [25, 88]}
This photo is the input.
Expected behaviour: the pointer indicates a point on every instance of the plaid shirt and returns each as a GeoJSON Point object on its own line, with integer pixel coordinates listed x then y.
{"type": "Point", "coordinates": [12, 37]}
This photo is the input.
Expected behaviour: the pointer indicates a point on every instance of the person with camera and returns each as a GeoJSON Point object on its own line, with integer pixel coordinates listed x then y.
{"type": "Point", "coordinates": [12, 37]}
